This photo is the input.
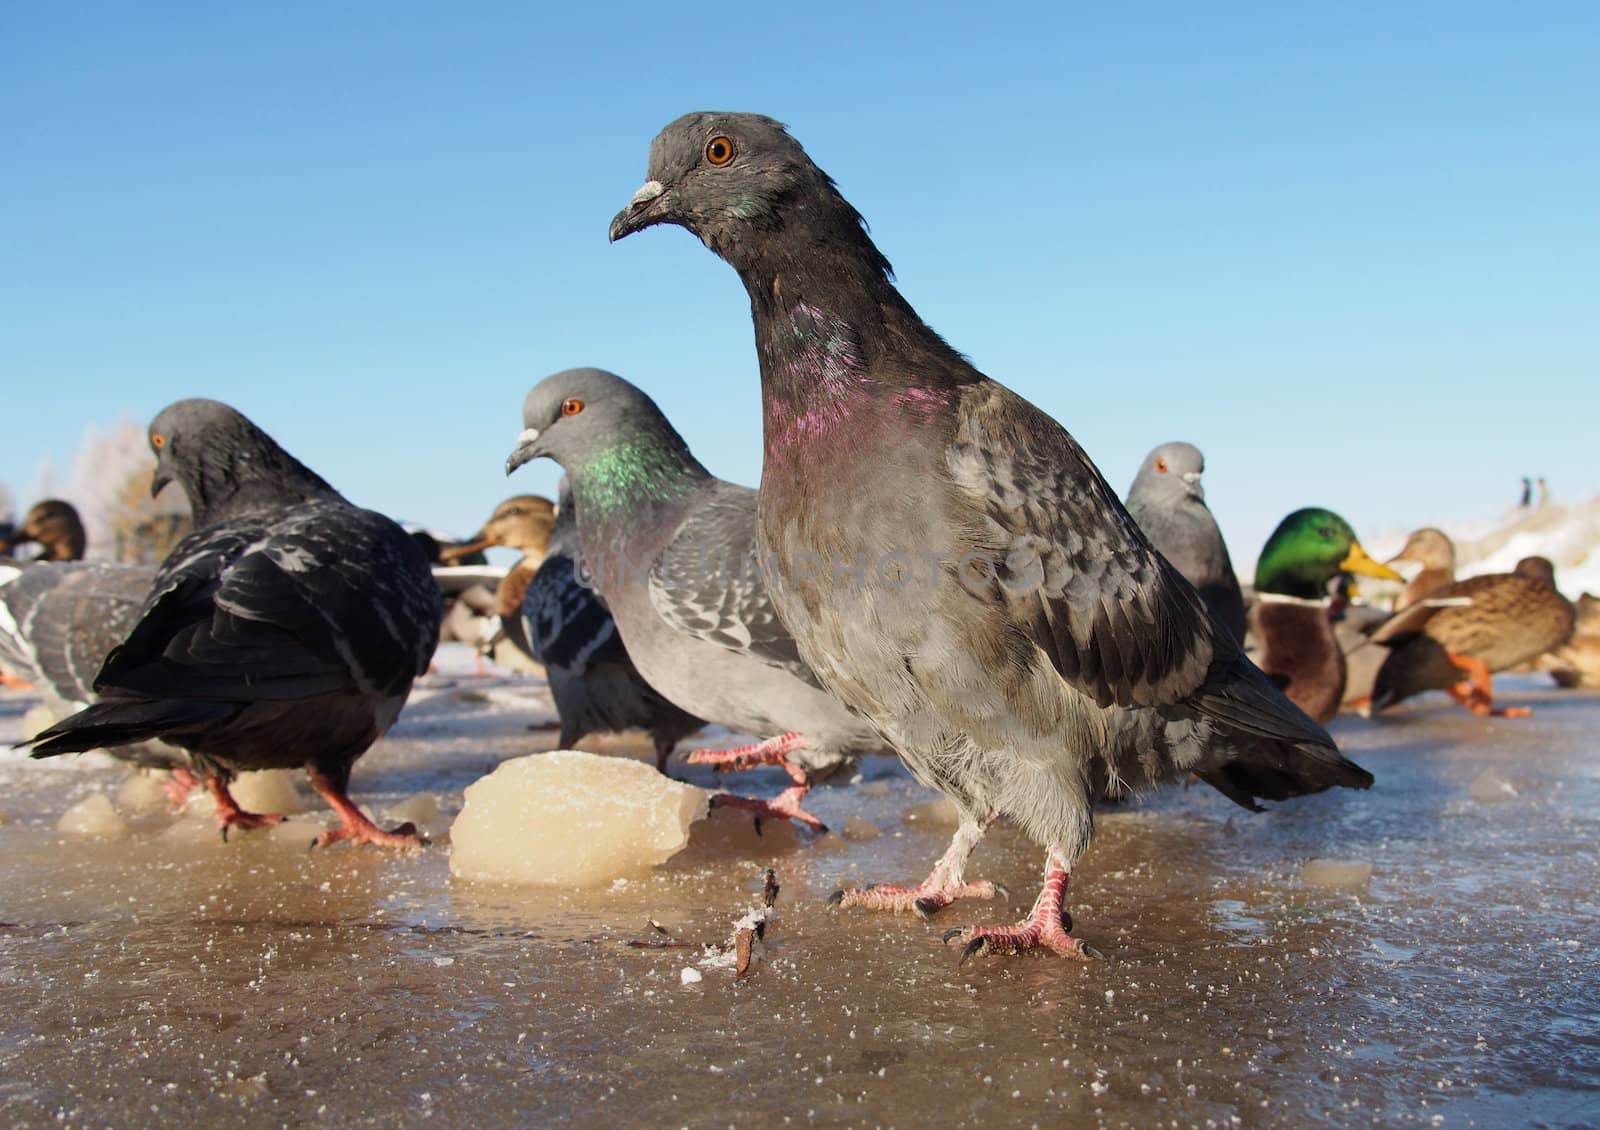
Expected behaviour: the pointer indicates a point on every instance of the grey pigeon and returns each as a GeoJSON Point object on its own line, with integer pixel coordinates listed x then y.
{"type": "Point", "coordinates": [596, 687]}
{"type": "Point", "coordinates": [284, 632]}
{"type": "Point", "coordinates": [59, 621]}
{"type": "Point", "coordinates": [1031, 649]}
{"type": "Point", "coordinates": [671, 549]}
{"type": "Point", "coordinates": [1169, 503]}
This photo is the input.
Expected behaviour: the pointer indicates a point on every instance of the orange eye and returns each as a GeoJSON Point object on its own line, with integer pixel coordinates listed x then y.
{"type": "Point", "coordinates": [157, 439]}
{"type": "Point", "coordinates": [719, 151]}
{"type": "Point", "coordinates": [1161, 465]}
{"type": "Point", "coordinates": [571, 406]}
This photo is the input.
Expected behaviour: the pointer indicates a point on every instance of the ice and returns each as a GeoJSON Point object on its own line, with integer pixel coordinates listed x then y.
{"type": "Point", "coordinates": [689, 975]}
{"type": "Point", "coordinates": [569, 818]}
{"type": "Point", "coordinates": [858, 829]}
{"type": "Point", "coordinates": [94, 816]}
{"type": "Point", "coordinates": [421, 810]}
{"type": "Point", "coordinates": [1340, 874]}
{"type": "Point", "coordinates": [142, 794]}
{"type": "Point", "coordinates": [939, 813]}
{"type": "Point", "coordinates": [269, 791]}
{"type": "Point", "coordinates": [1489, 787]}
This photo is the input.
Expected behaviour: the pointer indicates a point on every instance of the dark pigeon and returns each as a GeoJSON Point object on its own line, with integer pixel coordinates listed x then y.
{"type": "Point", "coordinates": [596, 687]}
{"type": "Point", "coordinates": [284, 632]}
{"type": "Point", "coordinates": [1032, 649]}
{"type": "Point", "coordinates": [1169, 503]}
{"type": "Point", "coordinates": [671, 549]}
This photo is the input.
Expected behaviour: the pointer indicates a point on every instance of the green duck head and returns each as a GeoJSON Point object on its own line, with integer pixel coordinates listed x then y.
{"type": "Point", "coordinates": [1309, 549]}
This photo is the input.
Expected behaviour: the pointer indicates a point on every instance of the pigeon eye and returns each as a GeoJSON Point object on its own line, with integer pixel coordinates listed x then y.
{"type": "Point", "coordinates": [719, 151]}
{"type": "Point", "coordinates": [157, 440]}
{"type": "Point", "coordinates": [571, 406]}
{"type": "Point", "coordinates": [1161, 465]}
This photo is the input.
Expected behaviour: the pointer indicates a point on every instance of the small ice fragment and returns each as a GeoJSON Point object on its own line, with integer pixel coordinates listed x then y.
{"type": "Point", "coordinates": [93, 816]}
{"type": "Point", "coordinates": [938, 813]}
{"type": "Point", "coordinates": [875, 789]}
{"type": "Point", "coordinates": [569, 818]}
{"type": "Point", "coordinates": [421, 810]}
{"type": "Point", "coordinates": [268, 791]}
{"type": "Point", "coordinates": [856, 828]}
{"type": "Point", "coordinates": [444, 961]}
{"type": "Point", "coordinates": [142, 794]}
{"type": "Point", "coordinates": [689, 975]}
{"type": "Point", "coordinates": [1489, 787]}
{"type": "Point", "coordinates": [1339, 874]}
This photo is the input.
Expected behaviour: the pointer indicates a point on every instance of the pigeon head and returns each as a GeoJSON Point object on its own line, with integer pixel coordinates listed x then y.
{"type": "Point", "coordinates": [1309, 549]}
{"type": "Point", "coordinates": [725, 175]}
{"type": "Point", "coordinates": [224, 463]}
{"type": "Point", "coordinates": [55, 525]}
{"type": "Point", "coordinates": [606, 434]}
{"type": "Point", "coordinates": [1168, 474]}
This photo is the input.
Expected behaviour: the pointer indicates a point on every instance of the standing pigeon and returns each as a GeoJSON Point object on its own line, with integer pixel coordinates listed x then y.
{"type": "Point", "coordinates": [569, 629]}
{"type": "Point", "coordinates": [285, 631]}
{"type": "Point", "coordinates": [672, 551]}
{"type": "Point", "coordinates": [1022, 646]}
{"type": "Point", "coordinates": [1169, 504]}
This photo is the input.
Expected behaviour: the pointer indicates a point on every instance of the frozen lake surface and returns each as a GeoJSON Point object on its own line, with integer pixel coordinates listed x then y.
{"type": "Point", "coordinates": [169, 976]}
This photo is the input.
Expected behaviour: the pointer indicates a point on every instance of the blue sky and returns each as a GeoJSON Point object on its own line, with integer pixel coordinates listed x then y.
{"type": "Point", "coordinates": [1352, 251]}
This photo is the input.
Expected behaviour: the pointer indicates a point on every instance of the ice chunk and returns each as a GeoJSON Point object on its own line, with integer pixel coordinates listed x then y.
{"type": "Point", "coordinates": [93, 816]}
{"type": "Point", "coordinates": [569, 818]}
{"type": "Point", "coordinates": [1489, 787]}
{"type": "Point", "coordinates": [1340, 874]}
{"type": "Point", "coordinates": [856, 828]}
{"type": "Point", "coordinates": [689, 975]}
{"type": "Point", "coordinates": [421, 810]}
{"type": "Point", "coordinates": [38, 718]}
{"type": "Point", "coordinates": [940, 813]}
{"type": "Point", "coordinates": [877, 790]}
{"type": "Point", "coordinates": [267, 791]}
{"type": "Point", "coordinates": [142, 794]}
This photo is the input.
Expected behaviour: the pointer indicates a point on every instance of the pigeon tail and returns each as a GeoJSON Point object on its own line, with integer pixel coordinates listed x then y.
{"type": "Point", "coordinates": [120, 722]}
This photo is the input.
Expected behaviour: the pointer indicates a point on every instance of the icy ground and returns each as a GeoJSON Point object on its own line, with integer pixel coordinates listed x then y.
{"type": "Point", "coordinates": [167, 976]}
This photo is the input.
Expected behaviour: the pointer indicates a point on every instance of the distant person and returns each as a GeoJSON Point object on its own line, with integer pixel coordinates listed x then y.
{"type": "Point", "coordinates": [1527, 493]}
{"type": "Point", "coordinates": [1544, 493]}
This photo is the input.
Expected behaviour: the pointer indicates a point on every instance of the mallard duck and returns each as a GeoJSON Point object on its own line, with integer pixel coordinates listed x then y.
{"type": "Point", "coordinates": [55, 526]}
{"type": "Point", "coordinates": [523, 523]}
{"type": "Point", "coordinates": [1294, 637]}
{"type": "Point", "coordinates": [1463, 633]}
{"type": "Point", "coordinates": [1436, 553]}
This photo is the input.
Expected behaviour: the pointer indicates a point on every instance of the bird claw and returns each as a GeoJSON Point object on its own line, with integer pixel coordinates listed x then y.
{"type": "Point", "coordinates": [976, 946]}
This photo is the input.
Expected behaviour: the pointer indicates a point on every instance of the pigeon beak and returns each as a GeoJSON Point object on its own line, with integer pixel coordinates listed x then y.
{"type": "Point", "coordinates": [158, 481]}
{"type": "Point", "coordinates": [1191, 482]}
{"type": "Point", "coordinates": [1359, 561]}
{"type": "Point", "coordinates": [526, 451]}
{"type": "Point", "coordinates": [643, 210]}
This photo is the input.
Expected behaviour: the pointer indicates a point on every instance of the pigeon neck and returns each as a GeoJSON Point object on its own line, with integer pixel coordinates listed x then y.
{"type": "Point", "coordinates": [241, 480]}
{"type": "Point", "coordinates": [620, 485]}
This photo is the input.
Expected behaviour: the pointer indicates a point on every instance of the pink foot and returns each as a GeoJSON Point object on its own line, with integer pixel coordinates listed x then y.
{"type": "Point", "coordinates": [178, 785]}
{"type": "Point", "coordinates": [230, 815]}
{"type": "Point", "coordinates": [773, 751]}
{"type": "Point", "coordinates": [784, 806]}
{"type": "Point", "coordinates": [353, 823]}
{"type": "Point", "coordinates": [941, 888]}
{"type": "Point", "coordinates": [1045, 928]}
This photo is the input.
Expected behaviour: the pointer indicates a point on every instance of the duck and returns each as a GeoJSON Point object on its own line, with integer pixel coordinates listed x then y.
{"type": "Point", "coordinates": [1464, 633]}
{"type": "Point", "coordinates": [1576, 663]}
{"type": "Point", "coordinates": [55, 526]}
{"type": "Point", "coordinates": [1436, 553]}
{"type": "Point", "coordinates": [1289, 621]}
{"type": "Point", "coordinates": [522, 522]}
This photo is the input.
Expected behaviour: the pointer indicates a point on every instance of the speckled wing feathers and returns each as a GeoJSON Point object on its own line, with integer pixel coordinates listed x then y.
{"type": "Point", "coordinates": [568, 625]}
{"type": "Point", "coordinates": [1116, 620]}
{"type": "Point", "coordinates": [67, 617]}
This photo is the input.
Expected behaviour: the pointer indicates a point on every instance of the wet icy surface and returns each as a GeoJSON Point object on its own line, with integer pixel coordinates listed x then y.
{"type": "Point", "coordinates": [168, 975]}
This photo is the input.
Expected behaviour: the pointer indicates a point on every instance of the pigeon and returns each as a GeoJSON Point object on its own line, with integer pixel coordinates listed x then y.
{"type": "Point", "coordinates": [947, 559]}
{"type": "Point", "coordinates": [596, 687]}
{"type": "Point", "coordinates": [521, 522]}
{"type": "Point", "coordinates": [59, 621]}
{"type": "Point", "coordinates": [284, 631]}
{"type": "Point", "coordinates": [671, 550]}
{"type": "Point", "coordinates": [1169, 504]}
{"type": "Point", "coordinates": [57, 529]}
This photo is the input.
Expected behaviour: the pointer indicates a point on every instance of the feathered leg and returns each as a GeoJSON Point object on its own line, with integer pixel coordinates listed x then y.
{"type": "Point", "coordinates": [944, 886]}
